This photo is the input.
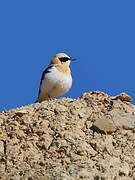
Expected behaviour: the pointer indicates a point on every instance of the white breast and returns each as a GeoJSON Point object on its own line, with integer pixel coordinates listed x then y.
{"type": "Point", "coordinates": [55, 83]}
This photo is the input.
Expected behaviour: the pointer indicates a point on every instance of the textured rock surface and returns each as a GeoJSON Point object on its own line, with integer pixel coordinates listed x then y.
{"type": "Point", "coordinates": [92, 137]}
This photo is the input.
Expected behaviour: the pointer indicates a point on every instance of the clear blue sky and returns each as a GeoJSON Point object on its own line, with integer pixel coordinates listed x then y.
{"type": "Point", "coordinates": [100, 34]}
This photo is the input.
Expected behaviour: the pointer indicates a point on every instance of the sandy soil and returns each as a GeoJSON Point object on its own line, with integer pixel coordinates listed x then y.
{"type": "Point", "coordinates": [91, 138]}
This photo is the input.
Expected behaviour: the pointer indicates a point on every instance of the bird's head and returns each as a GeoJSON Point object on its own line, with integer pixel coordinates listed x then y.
{"type": "Point", "coordinates": [61, 58]}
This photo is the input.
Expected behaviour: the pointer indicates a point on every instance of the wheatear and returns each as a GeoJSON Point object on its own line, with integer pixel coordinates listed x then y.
{"type": "Point", "coordinates": [56, 79]}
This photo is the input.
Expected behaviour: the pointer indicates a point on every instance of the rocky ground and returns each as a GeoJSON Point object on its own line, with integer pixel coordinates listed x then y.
{"type": "Point", "coordinates": [91, 138]}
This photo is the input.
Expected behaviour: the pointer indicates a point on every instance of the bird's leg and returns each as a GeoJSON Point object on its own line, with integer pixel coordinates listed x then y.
{"type": "Point", "coordinates": [49, 96]}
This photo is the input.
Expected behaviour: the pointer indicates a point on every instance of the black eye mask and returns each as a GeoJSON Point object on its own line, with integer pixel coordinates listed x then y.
{"type": "Point", "coordinates": [64, 59]}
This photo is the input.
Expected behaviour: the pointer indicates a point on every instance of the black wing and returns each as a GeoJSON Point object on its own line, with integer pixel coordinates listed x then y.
{"type": "Point", "coordinates": [47, 70]}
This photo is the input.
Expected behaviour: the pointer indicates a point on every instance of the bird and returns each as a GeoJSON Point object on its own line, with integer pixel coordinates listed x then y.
{"type": "Point", "coordinates": [56, 79]}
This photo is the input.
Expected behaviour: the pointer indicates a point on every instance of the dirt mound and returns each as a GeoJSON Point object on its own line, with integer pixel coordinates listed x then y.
{"type": "Point", "coordinates": [92, 137]}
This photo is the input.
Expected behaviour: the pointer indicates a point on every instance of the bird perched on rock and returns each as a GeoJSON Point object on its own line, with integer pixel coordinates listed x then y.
{"type": "Point", "coordinates": [56, 79]}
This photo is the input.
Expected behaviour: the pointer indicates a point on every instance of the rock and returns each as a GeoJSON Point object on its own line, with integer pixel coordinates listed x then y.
{"type": "Point", "coordinates": [64, 139]}
{"type": "Point", "coordinates": [104, 125]}
{"type": "Point", "coordinates": [122, 119]}
{"type": "Point", "coordinates": [123, 97]}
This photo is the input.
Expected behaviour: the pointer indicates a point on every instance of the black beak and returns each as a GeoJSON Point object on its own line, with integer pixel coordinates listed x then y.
{"type": "Point", "coordinates": [72, 59]}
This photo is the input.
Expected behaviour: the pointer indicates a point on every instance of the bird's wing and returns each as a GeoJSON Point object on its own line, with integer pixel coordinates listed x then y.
{"type": "Point", "coordinates": [47, 70]}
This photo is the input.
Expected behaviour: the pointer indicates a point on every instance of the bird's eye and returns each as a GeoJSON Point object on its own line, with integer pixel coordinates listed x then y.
{"type": "Point", "coordinates": [64, 59]}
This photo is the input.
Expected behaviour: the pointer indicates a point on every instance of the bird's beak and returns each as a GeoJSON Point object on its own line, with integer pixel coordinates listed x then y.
{"type": "Point", "coordinates": [72, 59]}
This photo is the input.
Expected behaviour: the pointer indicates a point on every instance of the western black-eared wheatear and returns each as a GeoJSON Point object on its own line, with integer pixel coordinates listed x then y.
{"type": "Point", "coordinates": [56, 79]}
